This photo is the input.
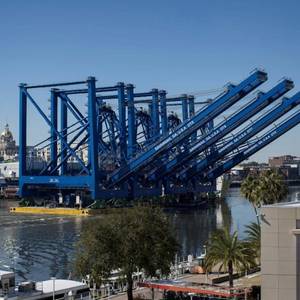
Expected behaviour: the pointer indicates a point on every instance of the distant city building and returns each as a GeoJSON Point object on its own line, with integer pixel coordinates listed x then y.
{"type": "Point", "coordinates": [289, 165]}
{"type": "Point", "coordinates": [37, 158]}
{"type": "Point", "coordinates": [284, 160]}
{"type": "Point", "coordinates": [8, 147]}
{"type": "Point", "coordinates": [241, 171]}
{"type": "Point", "coordinates": [44, 154]}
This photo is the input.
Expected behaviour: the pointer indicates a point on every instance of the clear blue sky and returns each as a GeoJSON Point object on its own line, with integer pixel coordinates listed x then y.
{"type": "Point", "coordinates": [173, 44]}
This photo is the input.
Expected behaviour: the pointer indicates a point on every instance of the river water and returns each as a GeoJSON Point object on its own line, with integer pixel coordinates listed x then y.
{"type": "Point", "coordinates": [38, 247]}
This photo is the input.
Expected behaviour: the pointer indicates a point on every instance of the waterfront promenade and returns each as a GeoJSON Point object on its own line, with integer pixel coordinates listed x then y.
{"type": "Point", "coordinates": [146, 293]}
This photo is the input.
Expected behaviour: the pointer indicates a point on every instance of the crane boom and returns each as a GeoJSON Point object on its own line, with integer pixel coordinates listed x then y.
{"type": "Point", "coordinates": [242, 136]}
{"type": "Point", "coordinates": [223, 129]}
{"type": "Point", "coordinates": [260, 143]}
{"type": "Point", "coordinates": [187, 128]}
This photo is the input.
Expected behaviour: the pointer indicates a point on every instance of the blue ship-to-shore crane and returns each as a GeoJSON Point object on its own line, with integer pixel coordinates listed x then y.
{"type": "Point", "coordinates": [126, 143]}
{"type": "Point", "coordinates": [242, 136]}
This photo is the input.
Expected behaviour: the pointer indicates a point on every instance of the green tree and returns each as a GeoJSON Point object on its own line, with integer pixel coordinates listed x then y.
{"type": "Point", "coordinates": [253, 238]}
{"type": "Point", "coordinates": [228, 252]}
{"type": "Point", "coordinates": [249, 189]}
{"type": "Point", "coordinates": [133, 239]}
{"type": "Point", "coordinates": [272, 188]}
{"type": "Point", "coordinates": [265, 188]}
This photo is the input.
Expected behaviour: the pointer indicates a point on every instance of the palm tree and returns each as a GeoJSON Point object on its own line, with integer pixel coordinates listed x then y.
{"type": "Point", "coordinates": [266, 188]}
{"type": "Point", "coordinates": [253, 238]}
{"type": "Point", "coordinates": [272, 187]}
{"type": "Point", "coordinates": [249, 189]}
{"type": "Point", "coordinates": [227, 251]}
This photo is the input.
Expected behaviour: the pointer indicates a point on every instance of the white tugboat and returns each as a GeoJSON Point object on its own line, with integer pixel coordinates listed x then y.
{"type": "Point", "coordinates": [43, 290]}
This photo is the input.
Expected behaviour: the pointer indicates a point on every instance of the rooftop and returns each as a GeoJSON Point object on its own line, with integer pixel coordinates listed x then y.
{"type": "Point", "coordinates": [195, 288]}
{"type": "Point", "coordinates": [284, 204]}
{"type": "Point", "coordinates": [60, 285]}
{"type": "Point", "coordinates": [2, 272]}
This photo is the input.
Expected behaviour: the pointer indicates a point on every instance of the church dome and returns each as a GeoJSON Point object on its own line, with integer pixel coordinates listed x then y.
{"type": "Point", "coordinates": [8, 147]}
{"type": "Point", "coordinates": [6, 135]}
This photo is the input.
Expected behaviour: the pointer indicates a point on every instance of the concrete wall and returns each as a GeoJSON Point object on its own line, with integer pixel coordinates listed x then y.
{"type": "Point", "coordinates": [278, 252]}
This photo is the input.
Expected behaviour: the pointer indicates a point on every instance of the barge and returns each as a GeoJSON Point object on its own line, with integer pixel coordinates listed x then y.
{"type": "Point", "coordinates": [50, 210]}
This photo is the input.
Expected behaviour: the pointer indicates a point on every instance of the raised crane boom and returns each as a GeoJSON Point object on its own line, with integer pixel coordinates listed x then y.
{"type": "Point", "coordinates": [259, 143]}
{"type": "Point", "coordinates": [223, 129]}
{"type": "Point", "coordinates": [242, 136]}
{"type": "Point", "coordinates": [191, 125]}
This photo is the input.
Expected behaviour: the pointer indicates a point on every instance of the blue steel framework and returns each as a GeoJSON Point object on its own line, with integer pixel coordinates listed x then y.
{"type": "Point", "coordinates": [133, 151]}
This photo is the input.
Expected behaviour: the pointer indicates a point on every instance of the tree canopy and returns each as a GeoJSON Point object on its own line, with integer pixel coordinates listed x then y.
{"type": "Point", "coordinates": [253, 232]}
{"type": "Point", "coordinates": [272, 188]}
{"type": "Point", "coordinates": [266, 187]}
{"type": "Point", "coordinates": [132, 239]}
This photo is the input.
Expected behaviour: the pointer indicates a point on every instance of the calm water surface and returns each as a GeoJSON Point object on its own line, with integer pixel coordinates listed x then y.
{"type": "Point", "coordinates": [39, 247]}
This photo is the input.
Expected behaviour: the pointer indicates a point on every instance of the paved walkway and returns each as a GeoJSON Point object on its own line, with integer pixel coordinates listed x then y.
{"type": "Point", "coordinates": [146, 293]}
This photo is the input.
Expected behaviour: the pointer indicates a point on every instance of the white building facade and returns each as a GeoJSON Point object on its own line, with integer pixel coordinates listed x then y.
{"type": "Point", "coordinates": [280, 251]}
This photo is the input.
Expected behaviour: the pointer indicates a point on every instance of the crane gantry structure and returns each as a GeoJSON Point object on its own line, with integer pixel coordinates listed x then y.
{"type": "Point", "coordinates": [136, 147]}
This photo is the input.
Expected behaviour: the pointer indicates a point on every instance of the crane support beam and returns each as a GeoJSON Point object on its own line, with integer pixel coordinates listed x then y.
{"type": "Point", "coordinates": [22, 136]}
{"type": "Point", "coordinates": [163, 112]}
{"type": "Point", "coordinates": [93, 137]}
{"type": "Point", "coordinates": [54, 120]}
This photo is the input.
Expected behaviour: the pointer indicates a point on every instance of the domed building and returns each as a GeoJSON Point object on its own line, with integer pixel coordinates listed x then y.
{"type": "Point", "coordinates": [8, 147]}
